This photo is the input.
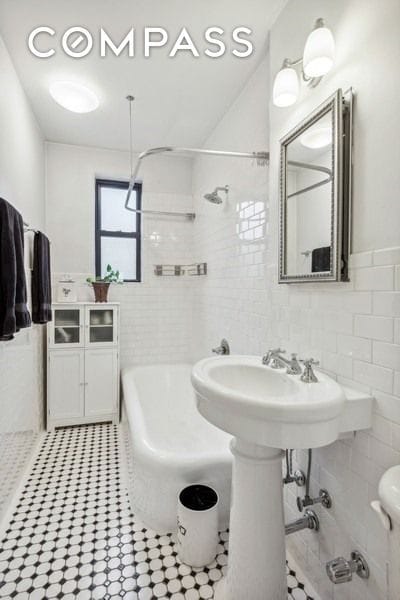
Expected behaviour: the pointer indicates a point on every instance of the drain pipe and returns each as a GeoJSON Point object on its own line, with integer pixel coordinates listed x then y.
{"type": "Point", "coordinates": [308, 521]}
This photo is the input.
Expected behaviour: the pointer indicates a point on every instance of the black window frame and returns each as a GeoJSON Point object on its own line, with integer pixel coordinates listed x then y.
{"type": "Point", "coordinates": [99, 233]}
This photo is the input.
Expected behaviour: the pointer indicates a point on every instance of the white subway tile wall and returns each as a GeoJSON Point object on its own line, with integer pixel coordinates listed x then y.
{"type": "Point", "coordinates": [21, 405]}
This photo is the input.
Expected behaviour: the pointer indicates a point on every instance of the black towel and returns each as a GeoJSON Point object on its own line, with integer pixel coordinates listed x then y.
{"type": "Point", "coordinates": [14, 314]}
{"type": "Point", "coordinates": [321, 259]}
{"type": "Point", "coordinates": [41, 279]}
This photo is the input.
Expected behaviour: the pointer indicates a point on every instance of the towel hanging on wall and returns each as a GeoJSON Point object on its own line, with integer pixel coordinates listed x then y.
{"type": "Point", "coordinates": [41, 279]}
{"type": "Point", "coordinates": [14, 314]}
{"type": "Point", "coordinates": [321, 259]}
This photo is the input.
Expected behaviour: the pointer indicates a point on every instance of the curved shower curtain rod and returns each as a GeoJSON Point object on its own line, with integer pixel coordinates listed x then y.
{"type": "Point", "coordinates": [262, 159]}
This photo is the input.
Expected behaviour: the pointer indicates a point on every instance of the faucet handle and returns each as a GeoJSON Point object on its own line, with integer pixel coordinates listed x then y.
{"type": "Point", "coordinates": [278, 351]}
{"type": "Point", "coordinates": [307, 362]}
{"type": "Point", "coordinates": [223, 348]}
{"type": "Point", "coordinates": [308, 375]}
{"type": "Point", "coordinates": [340, 570]}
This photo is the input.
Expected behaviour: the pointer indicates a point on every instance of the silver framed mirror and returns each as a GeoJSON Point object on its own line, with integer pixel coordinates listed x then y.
{"type": "Point", "coordinates": [315, 185]}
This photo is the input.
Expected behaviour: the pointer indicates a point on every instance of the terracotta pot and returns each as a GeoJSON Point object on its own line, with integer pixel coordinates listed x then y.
{"type": "Point", "coordinates": [100, 291]}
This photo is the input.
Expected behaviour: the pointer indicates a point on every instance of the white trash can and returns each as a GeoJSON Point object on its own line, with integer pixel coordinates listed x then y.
{"type": "Point", "coordinates": [197, 525]}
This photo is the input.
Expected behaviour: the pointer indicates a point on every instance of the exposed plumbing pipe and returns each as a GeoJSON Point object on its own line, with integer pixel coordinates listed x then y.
{"type": "Point", "coordinates": [324, 497]}
{"type": "Point", "coordinates": [298, 476]}
{"type": "Point", "coordinates": [308, 521]}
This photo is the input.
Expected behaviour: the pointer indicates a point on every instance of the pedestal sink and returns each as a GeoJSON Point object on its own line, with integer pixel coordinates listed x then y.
{"type": "Point", "coordinates": [266, 411]}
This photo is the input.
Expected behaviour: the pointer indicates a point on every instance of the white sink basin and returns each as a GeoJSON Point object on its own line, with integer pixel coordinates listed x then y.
{"type": "Point", "coordinates": [266, 406]}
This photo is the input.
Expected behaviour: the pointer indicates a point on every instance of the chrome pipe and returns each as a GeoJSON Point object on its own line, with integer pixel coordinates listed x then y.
{"type": "Point", "coordinates": [308, 521]}
{"type": "Point", "coordinates": [262, 156]}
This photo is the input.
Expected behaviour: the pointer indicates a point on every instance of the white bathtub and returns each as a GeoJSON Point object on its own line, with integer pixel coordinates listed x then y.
{"type": "Point", "coordinates": [171, 444]}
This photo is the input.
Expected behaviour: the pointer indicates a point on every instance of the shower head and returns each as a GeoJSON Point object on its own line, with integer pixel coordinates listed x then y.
{"type": "Point", "coordinates": [214, 197]}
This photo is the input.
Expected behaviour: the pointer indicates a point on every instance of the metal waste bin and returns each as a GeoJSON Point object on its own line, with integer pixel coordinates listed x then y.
{"type": "Point", "coordinates": [197, 525]}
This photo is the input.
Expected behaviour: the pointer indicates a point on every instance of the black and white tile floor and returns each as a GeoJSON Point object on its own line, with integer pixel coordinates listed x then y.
{"type": "Point", "coordinates": [15, 451]}
{"type": "Point", "coordinates": [73, 535]}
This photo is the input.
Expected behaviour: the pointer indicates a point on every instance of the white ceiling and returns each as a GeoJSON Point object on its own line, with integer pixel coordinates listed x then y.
{"type": "Point", "coordinates": [178, 100]}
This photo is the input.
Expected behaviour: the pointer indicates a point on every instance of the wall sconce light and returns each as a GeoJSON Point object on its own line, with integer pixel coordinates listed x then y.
{"type": "Point", "coordinates": [317, 61]}
{"type": "Point", "coordinates": [286, 86]}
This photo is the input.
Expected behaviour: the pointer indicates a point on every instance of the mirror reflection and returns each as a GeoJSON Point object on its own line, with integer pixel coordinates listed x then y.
{"type": "Point", "coordinates": [309, 199]}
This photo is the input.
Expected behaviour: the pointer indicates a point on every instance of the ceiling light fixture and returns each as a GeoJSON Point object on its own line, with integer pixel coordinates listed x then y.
{"type": "Point", "coordinates": [74, 96]}
{"type": "Point", "coordinates": [317, 137]}
{"type": "Point", "coordinates": [318, 59]}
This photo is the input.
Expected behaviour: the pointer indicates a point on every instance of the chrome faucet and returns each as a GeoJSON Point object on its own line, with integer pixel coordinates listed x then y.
{"type": "Point", "coordinates": [275, 360]}
{"type": "Point", "coordinates": [223, 349]}
{"type": "Point", "coordinates": [308, 375]}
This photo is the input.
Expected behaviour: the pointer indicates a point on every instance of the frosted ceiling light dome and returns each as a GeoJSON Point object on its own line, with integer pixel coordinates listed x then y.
{"type": "Point", "coordinates": [319, 51]}
{"type": "Point", "coordinates": [317, 138]}
{"type": "Point", "coordinates": [286, 87]}
{"type": "Point", "coordinates": [74, 96]}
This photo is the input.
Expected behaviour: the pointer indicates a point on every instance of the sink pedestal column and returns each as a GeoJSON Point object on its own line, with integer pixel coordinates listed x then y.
{"type": "Point", "coordinates": [257, 560]}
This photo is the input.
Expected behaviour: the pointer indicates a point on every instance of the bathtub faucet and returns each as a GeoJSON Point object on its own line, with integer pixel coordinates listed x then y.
{"type": "Point", "coordinates": [223, 348]}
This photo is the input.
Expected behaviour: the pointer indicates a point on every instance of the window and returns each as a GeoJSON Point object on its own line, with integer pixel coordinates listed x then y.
{"type": "Point", "coordinates": [117, 229]}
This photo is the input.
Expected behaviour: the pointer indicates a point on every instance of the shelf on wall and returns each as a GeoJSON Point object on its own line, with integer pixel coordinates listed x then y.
{"type": "Point", "coordinates": [194, 269]}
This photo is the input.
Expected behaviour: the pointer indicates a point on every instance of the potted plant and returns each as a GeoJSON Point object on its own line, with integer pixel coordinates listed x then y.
{"type": "Point", "coordinates": [101, 284]}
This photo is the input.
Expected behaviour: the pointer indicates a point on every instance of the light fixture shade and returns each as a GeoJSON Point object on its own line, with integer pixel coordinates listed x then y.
{"type": "Point", "coordinates": [319, 52]}
{"type": "Point", "coordinates": [286, 87]}
{"type": "Point", "coordinates": [317, 137]}
{"type": "Point", "coordinates": [74, 96]}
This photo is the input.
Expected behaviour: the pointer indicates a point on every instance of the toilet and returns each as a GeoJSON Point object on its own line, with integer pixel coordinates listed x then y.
{"type": "Point", "coordinates": [388, 508]}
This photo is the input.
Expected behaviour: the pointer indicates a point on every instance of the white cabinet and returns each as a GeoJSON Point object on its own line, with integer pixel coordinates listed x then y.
{"type": "Point", "coordinates": [101, 393]}
{"type": "Point", "coordinates": [66, 383]}
{"type": "Point", "coordinates": [83, 364]}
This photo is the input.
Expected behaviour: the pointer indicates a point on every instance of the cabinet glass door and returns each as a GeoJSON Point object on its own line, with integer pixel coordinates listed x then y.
{"type": "Point", "coordinates": [101, 326]}
{"type": "Point", "coordinates": [67, 327]}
